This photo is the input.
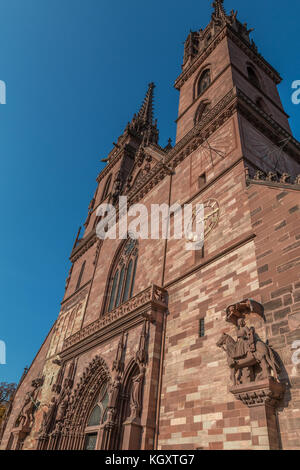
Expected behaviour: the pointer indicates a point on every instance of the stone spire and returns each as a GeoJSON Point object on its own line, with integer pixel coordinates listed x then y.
{"type": "Point", "coordinates": [146, 112]}
{"type": "Point", "coordinates": [143, 123]}
{"type": "Point", "coordinates": [219, 11]}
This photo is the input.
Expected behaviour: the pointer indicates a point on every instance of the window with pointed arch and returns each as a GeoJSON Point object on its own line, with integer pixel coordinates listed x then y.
{"type": "Point", "coordinates": [97, 417]}
{"type": "Point", "coordinates": [121, 283]}
{"type": "Point", "coordinates": [252, 76]}
{"type": "Point", "coordinates": [203, 82]}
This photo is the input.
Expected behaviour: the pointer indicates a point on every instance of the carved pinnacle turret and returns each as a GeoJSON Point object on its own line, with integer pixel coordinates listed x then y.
{"type": "Point", "coordinates": [198, 41]}
{"type": "Point", "coordinates": [219, 11]}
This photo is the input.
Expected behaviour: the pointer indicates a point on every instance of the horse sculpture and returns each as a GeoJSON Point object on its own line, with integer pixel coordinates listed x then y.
{"type": "Point", "coordinates": [259, 354]}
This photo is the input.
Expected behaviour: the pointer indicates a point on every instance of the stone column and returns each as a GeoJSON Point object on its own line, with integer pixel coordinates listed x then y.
{"type": "Point", "coordinates": [132, 433]}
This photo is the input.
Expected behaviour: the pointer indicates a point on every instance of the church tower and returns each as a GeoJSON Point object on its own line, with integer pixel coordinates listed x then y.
{"type": "Point", "coordinates": [157, 345]}
{"type": "Point", "coordinates": [234, 153]}
{"type": "Point", "coordinates": [222, 65]}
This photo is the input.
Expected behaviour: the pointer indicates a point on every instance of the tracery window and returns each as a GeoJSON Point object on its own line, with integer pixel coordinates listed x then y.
{"type": "Point", "coordinates": [97, 417]}
{"type": "Point", "coordinates": [122, 277]}
{"type": "Point", "coordinates": [204, 81]}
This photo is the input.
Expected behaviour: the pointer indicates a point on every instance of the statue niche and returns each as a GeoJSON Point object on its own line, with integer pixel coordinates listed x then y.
{"type": "Point", "coordinates": [113, 393]}
{"type": "Point", "coordinates": [136, 395]}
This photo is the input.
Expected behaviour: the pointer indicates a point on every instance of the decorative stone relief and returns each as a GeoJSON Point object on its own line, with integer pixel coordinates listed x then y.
{"type": "Point", "coordinates": [253, 364]}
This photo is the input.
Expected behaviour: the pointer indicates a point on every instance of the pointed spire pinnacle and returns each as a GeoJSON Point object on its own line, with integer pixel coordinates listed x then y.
{"type": "Point", "coordinates": [219, 9]}
{"type": "Point", "coordinates": [143, 123]}
{"type": "Point", "coordinates": [146, 112]}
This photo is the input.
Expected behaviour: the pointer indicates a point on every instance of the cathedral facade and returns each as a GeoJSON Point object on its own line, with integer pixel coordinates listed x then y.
{"type": "Point", "coordinates": [161, 347]}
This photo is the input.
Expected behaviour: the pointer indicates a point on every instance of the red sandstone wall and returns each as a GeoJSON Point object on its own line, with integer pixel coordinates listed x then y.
{"type": "Point", "coordinates": [197, 409]}
{"type": "Point", "coordinates": [221, 75]}
{"type": "Point", "coordinates": [268, 91]}
{"type": "Point", "coordinates": [275, 214]}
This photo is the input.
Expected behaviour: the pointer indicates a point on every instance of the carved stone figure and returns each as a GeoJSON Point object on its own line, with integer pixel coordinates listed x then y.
{"type": "Point", "coordinates": [118, 364]}
{"type": "Point", "coordinates": [136, 394]}
{"type": "Point", "coordinates": [113, 393]}
{"type": "Point", "coordinates": [245, 339]}
{"type": "Point", "coordinates": [141, 354]}
{"type": "Point", "coordinates": [62, 408]}
{"type": "Point", "coordinates": [250, 357]}
{"type": "Point", "coordinates": [48, 417]}
{"type": "Point", "coordinates": [25, 418]}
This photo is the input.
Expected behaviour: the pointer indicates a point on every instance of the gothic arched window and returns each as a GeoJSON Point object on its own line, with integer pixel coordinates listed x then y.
{"type": "Point", "coordinates": [252, 76]}
{"type": "Point", "coordinates": [97, 417]}
{"type": "Point", "coordinates": [204, 82]}
{"type": "Point", "coordinates": [121, 283]}
{"type": "Point", "coordinates": [106, 187]}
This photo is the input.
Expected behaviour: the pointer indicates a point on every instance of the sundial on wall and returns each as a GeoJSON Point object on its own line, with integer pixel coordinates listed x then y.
{"type": "Point", "coordinates": [266, 155]}
{"type": "Point", "coordinates": [209, 221]}
{"type": "Point", "coordinates": [215, 148]}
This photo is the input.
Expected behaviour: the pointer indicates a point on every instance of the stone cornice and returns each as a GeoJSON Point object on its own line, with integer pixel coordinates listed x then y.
{"type": "Point", "coordinates": [142, 305]}
{"type": "Point", "coordinates": [229, 32]}
{"type": "Point", "coordinates": [274, 184]}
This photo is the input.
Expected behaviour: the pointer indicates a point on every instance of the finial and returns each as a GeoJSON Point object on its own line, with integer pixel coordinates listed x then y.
{"type": "Point", "coordinates": [219, 9]}
{"type": "Point", "coordinates": [169, 144]}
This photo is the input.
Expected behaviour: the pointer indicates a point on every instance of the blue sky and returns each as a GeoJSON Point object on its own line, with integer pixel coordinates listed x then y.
{"type": "Point", "coordinates": [76, 71]}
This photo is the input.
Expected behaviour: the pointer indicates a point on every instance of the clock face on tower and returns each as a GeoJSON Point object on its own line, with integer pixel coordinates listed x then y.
{"type": "Point", "coordinates": [208, 217]}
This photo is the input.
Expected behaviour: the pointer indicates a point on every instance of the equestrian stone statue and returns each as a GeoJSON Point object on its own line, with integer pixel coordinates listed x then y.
{"type": "Point", "coordinates": [249, 358]}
